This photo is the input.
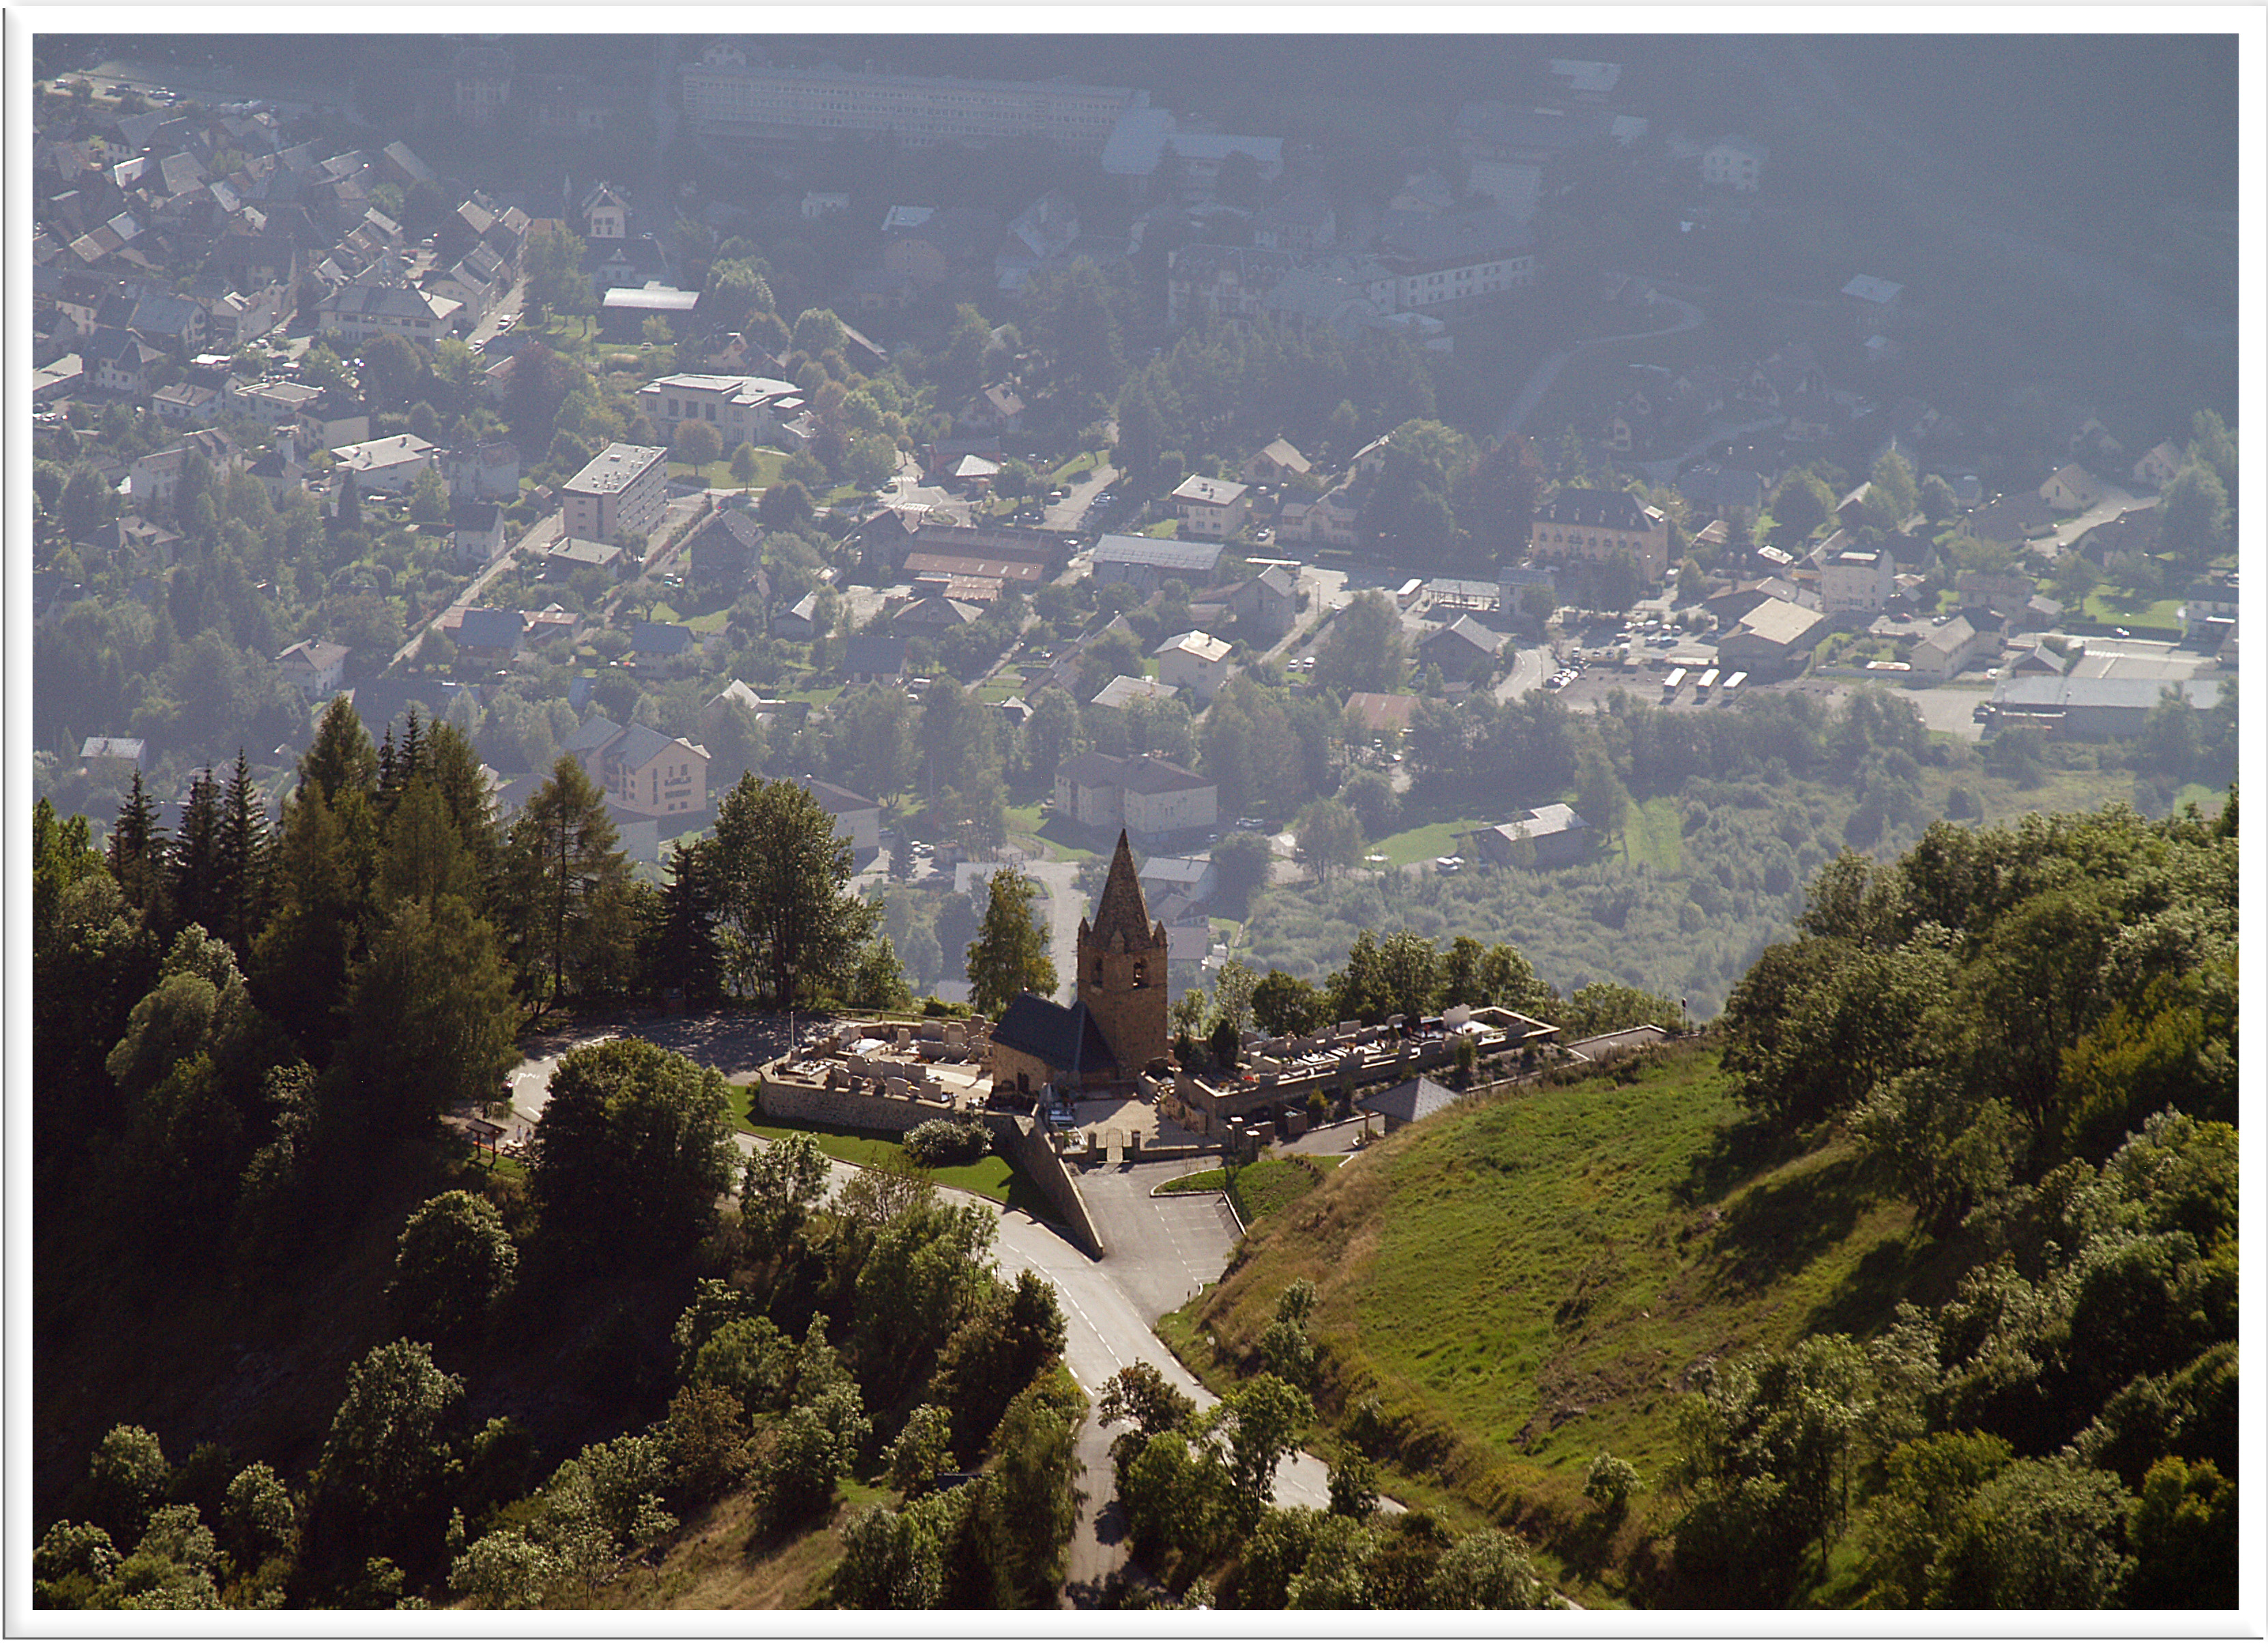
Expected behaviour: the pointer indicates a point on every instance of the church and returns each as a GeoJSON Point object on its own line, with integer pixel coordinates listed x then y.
{"type": "Point", "coordinates": [1117, 1026]}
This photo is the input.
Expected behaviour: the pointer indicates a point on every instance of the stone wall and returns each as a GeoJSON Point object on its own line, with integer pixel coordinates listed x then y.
{"type": "Point", "coordinates": [1019, 1138]}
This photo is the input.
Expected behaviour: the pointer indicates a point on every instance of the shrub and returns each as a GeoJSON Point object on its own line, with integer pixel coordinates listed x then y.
{"type": "Point", "coordinates": [945, 1143]}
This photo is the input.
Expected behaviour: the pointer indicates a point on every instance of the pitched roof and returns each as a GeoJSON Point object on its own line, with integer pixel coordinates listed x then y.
{"type": "Point", "coordinates": [489, 626]}
{"type": "Point", "coordinates": [837, 800]}
{"type": "Point", "coordinates": [1167, 554]}
{"type": "Point", "coordinates": [662, 640]}
{"type": "Point", "coordinates": [1147, 775]}
{"type": "Point", "coordinates": [1413, 1100]}
{"type": "Point", "coordinates": [1062, 1038]}
{"type": "Point", "coordinates": [1122, 911]}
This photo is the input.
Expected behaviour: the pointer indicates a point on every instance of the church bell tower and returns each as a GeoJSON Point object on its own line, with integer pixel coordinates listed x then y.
{"type": "Point", "coordinates": [1122, 968]}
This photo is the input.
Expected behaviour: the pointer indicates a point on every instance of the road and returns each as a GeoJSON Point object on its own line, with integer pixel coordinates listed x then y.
{"type": "Point", "coordinates": [1066, 904]}
{"type": "Point", "coordinates": [1108, 1304]}
{"type": "Point", "coordinates": [543, 531]}
{"type": "Point", "coordinates": [1547, 372]}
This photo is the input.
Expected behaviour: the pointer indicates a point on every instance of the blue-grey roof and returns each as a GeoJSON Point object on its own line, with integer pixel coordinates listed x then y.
{"type": "Point", "coordinates": [662, 640]}
{"type": "Point", "coordinates": [1062, 1038]}
{"type": "Point", "coordinates": [874, 654]}
{"type": "Point", "coordinates": [489, 626]}
{"type": "Point", "coordinates": [1168, 554]}
{"type": "Point", "coordinates": [1413, 1100]}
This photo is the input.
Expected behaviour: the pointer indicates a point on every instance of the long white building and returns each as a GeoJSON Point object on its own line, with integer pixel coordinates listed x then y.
{"type": "Point", "coordinates": [618, 494]}
{"type": "Point", "coordinates": [725, 96]}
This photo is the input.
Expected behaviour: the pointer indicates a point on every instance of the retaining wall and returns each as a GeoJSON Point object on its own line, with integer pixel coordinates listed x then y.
{"type": "Point", "coordinates": [1021, 1138]}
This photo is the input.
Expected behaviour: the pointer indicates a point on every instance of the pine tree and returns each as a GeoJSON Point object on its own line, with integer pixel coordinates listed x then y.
{"type": "Point", "coordinates": [561, 853]}
{"type": "Point", "coordinates": [194, 865]}
{"type": "Point", "coordinates": [138, 852]}
{"type": "Point", "coordinates": [246, 860]}
{"type": "Point", "coordinates": [341, 757]}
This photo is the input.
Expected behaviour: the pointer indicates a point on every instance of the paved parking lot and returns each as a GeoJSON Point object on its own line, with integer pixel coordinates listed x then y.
{"type": "Point", "coordinates": [1161, 1249]}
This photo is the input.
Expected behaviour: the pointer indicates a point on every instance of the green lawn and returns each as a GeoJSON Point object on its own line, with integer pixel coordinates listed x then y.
{"type": "Point", "coordinates": [1025, 820]}
{"type": "Point", "coordinates": [1523, 1281]}
{"type": "Point", "coordinates": [1257, 1190]}
{"type": "Point", "coordinates": [1162, 528]}
{"type": "Point", "coordinates": [995, 1178]}
{"type": "Point", "coordinates": [2120, 607]}
{"type": "Point", "coordinates": [1653, 836]}
{"type": "Point", "coordinates": [1059, 835]}
{"type": "Point", "coordinates": [1061, 474]}
{"type": "Point", "coordinates": [1427, 841]}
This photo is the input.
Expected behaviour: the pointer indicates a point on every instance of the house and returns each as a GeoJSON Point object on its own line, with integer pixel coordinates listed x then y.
{"type": "Point", "coordinates": [481, 471]}
{"type": "Point", "coordinates": [2157, 467]}
{"type": "Point", "coordinates": [1330, 519]}
{"type": "Point", "coordinates": [1450, 258]}
{"type": "Point", "coordinates": [482, 77]}
{"type": "Point", "coordinates": [156, 476]}
{"type": "Point", "coordinates": [1462, 649]}
{"type": "Point", "coordinates": [1542, 837]}
{"type": "Point", "coordinates": [873, 658]}
{"type": "Point", "coordinates": [856, 819]}
{"type": "Point", "coordinates": [1385, 716]}
{"type": "Point", "coordinates": [605, 215]}
{"type": "Point", "coordinates": [1735, 163]}
{"type": "Point", "coordinates": [619, 495]}
{"type": "Point", "coordinates": [317, 668]}
{"type": "Point", "coordinates": [391, 464]}
{"type": "Point", "coordinates": [2071, 490]}
{"type": "Point", "coordinates": [112, 759]}
{"type": "Point", "coordinates": [1773, 638]}
{"type": "Point", "coordinates": [58, 380]}
{"type": "Point", "coordinates": [186, 403]}
{"type": "Point", "coordinates": [652, 776]}
{"type": "Point", "coordinates": [2208, 613]}
{"type": "Point", "coordinates": [1152, 798]}
{"type": "Point", "coordinates": [1122, 689]}
{"type": "Point", "coordinates": [1713, 488]}
{"type": "Point", "coordinates": [930, 247]}
{"type": "Point", "coordinates": [489, 634]}
{"type": "Point", "coordinates": [2038, 661]}
{"type": "Point", "coordinates": [933, 615]}
{"type": "Point", "coordinates": [1875, 305]}
{"type": "Point", "coordinates": [996, 409]}
{"type": "Point", "coordinates": [1267, 603]}
{"type": "Point", "coordinates": [1858, 581]}
{"type": "Point", "coordinates": [743, 408]}
{"type": "Point", "coordinates": [477, 533]}
{"type": "Point", "coordinates": [117, 361]}
{"type": "Point", "coordinates": [661, 643]}
{"type": "Point", "coordinates": [725, 555]}
{"type": "Point", "coordinates": [1146, 563]}
{"type": "Point", "coordinates": [1191, 879]}
{"type": "Point", "coordinates": [365, 310]}
{"type": "Point", "coordinates": [1952, 644]}
{"type": "Point", "coordinates": [1209, 508]}
{"type": "Point", "coordinates": [1587, 524]}
{"type": "Point", "coordinates": [2011, 520]}
{"type": "Point", "coordinates": [1196, 660]}
{"type": "Point", "coordinates": [570, 555]}
{"type": "Point", "coordinates": [1273, 464]}
{"type": "Point", "coordinates": [800, 622]}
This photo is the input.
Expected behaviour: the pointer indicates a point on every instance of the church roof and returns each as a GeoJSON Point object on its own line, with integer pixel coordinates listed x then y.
{"type": "Point", "coordinates": [1121, 908]}
{"type": "Point", "coordinates": [1063, 1037]}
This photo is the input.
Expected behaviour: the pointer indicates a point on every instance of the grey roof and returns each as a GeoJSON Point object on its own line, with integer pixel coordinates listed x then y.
{"type": "Point", "coordinates": [1062, 1038]}
{"type": "Point", "coordinates": [1591, 506]}
{"type": "Point", "coordinates": [2069, 692]}
{"type": "Point", "coordinates": [594, 734]}
{"type": "Point", "coordinates": [1413, 1100]}
{"type": "Point", "coordinates": [1167, 554]}
{"type": "Point", "coordinates": [837, 800]}
{"type": "Point", "coordinates": [636, 745]}
{"type": "Point", "coordinates": [489, 626]}
{"type": "Point", "coordinates": [663, 641]}
{"type": "Point", "coordinates": [874, 654]}
{"type": "Point", "coordinates": [1091, 769]}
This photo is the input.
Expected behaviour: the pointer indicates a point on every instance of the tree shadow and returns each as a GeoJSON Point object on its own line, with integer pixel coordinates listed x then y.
{"type": "Point", "coordinates": [1774, 1230]}
{"type": "Point", "coordinates": [1739, 1150]}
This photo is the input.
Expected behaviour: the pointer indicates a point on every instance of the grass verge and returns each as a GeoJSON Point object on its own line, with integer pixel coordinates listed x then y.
{"type": "Point", "coordinates": [995, 1178]}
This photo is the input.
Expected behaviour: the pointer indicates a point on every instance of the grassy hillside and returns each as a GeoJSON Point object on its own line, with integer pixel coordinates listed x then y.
{"type": "Point", "coordinates": [1532, 1278]}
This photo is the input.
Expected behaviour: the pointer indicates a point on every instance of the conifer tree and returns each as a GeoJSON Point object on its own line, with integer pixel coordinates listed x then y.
{"type": "Point", "coordinates": [246, 860]}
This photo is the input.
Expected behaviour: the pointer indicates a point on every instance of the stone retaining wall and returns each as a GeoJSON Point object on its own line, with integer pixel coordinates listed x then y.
{"type": "Point", "coordinates": [1019, 1138]}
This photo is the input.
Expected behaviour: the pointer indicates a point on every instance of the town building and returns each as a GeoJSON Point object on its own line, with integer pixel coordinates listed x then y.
{"type": "Point", "coordinates": [1196, 660]}
{"type": "Point", "coordinates": [727, 96]}
{"type": "Point", "coordinates": [1210, 508]}
{"type": "Point", "coordinates": [1146, 563]}
{"type": "Point", "coordinates": [619, 494]}
{"type": "Point", "coordinates": [1858, 581]}
{"type": "Point", "coordinates": [1587, 524]}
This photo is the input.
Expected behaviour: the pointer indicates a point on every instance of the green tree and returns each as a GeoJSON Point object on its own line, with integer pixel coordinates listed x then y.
{"type": "Point", "coordinates": [782, 1184]}
{"type": "Point", "coordinates": [1011, 953]}
{"type": "Point", "coordinates": [564, 876]}
{"type": "Point", "coordinates": [1260, 1422]}
{"type": "Point", "coordinates": [2194, 515]}
{"type": "Point", "coordinates": [1803, 504]}
{"type": "Point", "coordinates": [2040, 1533]}
{"type": "Point", "coordinates": [1600, 796]}
{"type": "Point", "coordinates": [633, 1149]}
{"type": "Point", "coordinates": [380, 1482]}
{"type": "Point", "coordinates": [1327, 838]}
{"type": "Point", "coordinates": [453, 1263]}
{"type": "Point", "coordinates": [2183, 1532]}
{"type": "Point", "coordinates": [1487, 1570]}
{"type": "Point", "coordinates": [127, 1479]}
{"type": "Point", "coordinates": [788, 922]}
{"type": "Point", "coordinates": [1365, 649]}
{"type": "Point", "coordinates": [429, 498]}
{"type": "Point", "coordinates": [1283, 1004]}
{"type": "Point", "coordinates": [696, 442]}
{"type": "Point", "coordinates": [434, 1014]}
{"type": "Point", "coordinates": [1032, 1505]}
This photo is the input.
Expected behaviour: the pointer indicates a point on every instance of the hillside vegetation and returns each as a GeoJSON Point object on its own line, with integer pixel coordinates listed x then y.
{"type": "Point", "coordinates": [1913, 1283]}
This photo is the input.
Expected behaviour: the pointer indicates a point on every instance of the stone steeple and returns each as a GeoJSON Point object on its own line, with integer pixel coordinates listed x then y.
{"type": "Point", "coordinates": [1122, 967]}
